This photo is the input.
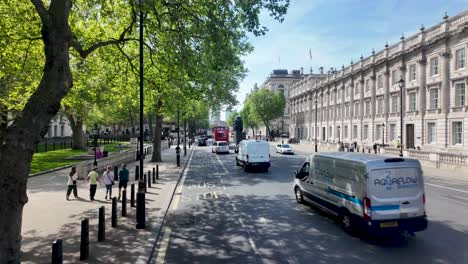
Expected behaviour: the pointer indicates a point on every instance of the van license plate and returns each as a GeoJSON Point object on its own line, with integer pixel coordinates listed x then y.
{"type": "Point", "coordinates": [389, 224]}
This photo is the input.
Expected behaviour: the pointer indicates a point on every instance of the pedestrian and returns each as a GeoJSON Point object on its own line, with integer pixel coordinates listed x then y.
{"type": "Point", "coordinates": [72, 177]}
{"type": "Point", "coordinates": [123, 178]}
{"type": "Point", "coordinates": [98, 153]}
{"type": "Point", "coordinates": [375, 148]}
{"type": "Point", "coordinates": [108, 177]}
{"type": "Point", "coordinates": [93, 178]}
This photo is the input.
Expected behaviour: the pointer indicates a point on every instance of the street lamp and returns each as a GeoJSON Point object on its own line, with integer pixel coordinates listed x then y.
{"type": "Point", "coordinates": [141, 89]}
{"type": "Point", "coordinates": [316, 109]}
{"type": "Point", "coordinates": [282, 128]}
{"type": "Point", "coordinates": [383, 135]}
{"type": "Point", "coordinates": [178, 137]}
{"type": "Point", "coordinates": [96, 134]}
{"type": "Point", "coordinates": [401, 84]}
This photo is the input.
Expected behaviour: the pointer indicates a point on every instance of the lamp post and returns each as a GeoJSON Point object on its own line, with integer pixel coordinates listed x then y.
{"type": "Point", "coordinates": [141, 89]}
{"type": "Point", "coordinates": [178, 137]}
{"type": "Point", "coordinates": [316, 115]}
{"type": "Point", "coordinates": [383, 135]}
{"type": "Point", "coordinates": [282, 128]}
{"type": "Point", "coordinates": [96, 134]}
{"type": "Point", "coordinates": [401, 83]}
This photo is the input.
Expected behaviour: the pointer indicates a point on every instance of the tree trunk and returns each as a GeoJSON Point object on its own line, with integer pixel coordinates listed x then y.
{"type": "Point", "coordinates": [77, 132]}
{"type": "Point", "coordinates": [17, 148]}
{"type": "Point", "coordinates": [150, 125]}
{"type": "Point", "coordinates": [157, 139]}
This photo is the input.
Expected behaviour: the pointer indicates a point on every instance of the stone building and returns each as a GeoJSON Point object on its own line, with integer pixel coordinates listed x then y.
{"type": "Point", "coordinates": [361, 102]}
{"type": "Point", "coordinates": [281, 80]}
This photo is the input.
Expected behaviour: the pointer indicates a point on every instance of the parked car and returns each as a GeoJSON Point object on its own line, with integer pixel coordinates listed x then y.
{"type": "Point", "coordinates": [220, 147]}
{"type": "Point", "coordinates": [253, 154]}
{"type": "Point", "coordinates": [284, 149]}
{"type": "Point", "coordinates": [375, 194]}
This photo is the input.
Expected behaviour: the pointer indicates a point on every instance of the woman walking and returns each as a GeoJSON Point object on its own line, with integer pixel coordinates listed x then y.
{"type": "Point", "coordinates": [93, 178]}
{"type": "Point", "coordinates": [108, 176]}
{"type": "Point", "coordinates": [72, 177]}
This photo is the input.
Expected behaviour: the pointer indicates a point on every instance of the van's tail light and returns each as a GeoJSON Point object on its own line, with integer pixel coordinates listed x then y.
{"type": "Point", "coordinates": [367, 209]}
{"type": "Point", "coordinates": [247, 157]}
{"type": "Point", "coordinates": [424, 198]}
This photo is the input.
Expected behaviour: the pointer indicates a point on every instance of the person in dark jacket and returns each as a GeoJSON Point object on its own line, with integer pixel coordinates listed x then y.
{"type": "Point", "coordinates": [123, 178]}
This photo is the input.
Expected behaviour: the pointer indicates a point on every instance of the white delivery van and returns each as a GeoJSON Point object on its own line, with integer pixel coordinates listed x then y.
{"type": "Point", "coordinates": [253, 154]}
{"type": "Point", "coordinates": [372, 193]}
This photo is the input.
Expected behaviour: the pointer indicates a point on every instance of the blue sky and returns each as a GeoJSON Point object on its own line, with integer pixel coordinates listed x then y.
{"type": "Point", "coordinates": [336, 32]}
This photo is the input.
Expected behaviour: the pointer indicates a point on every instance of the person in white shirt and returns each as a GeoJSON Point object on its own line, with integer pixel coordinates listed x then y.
{"type": "Point", "coordinates": [108, 177]}
{"type": "Point", "coordinates": [72, 177]}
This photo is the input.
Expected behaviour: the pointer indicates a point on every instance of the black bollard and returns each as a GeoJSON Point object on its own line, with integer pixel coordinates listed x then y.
{"type": "Point", "coordinates": [157, 172]}
{"type": "Point", "coordinates": [114, 212]}
{"type": "Point", "coordinates": [149, 179]}
{"type": "Point", "coordinates": [140, 213]}
{"type": "Point", "coordinates": [132, 195]}
{"type": "Point", "coordinates": [154, 175]}
{"type": "Point", "coordinates": [178, 156]}
{"type": "Point", "coordinates": [144, 181]}
{"type": "Point", "coordinates": [84, 243]}
{"type": "Point", "coordinates": [116, 173]}
{"type": "Point", "coordinates": [102, 224]}
{"type": "Point", "coordinates": [124, 203]}
{"type": "Point", "coordinates": [57, 252]}
{"type": "Point", "coordinates": [137, 173]}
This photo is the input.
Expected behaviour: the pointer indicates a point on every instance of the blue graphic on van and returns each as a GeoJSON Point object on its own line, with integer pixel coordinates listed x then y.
{"type": "Point", "coordinates": [400, 182]}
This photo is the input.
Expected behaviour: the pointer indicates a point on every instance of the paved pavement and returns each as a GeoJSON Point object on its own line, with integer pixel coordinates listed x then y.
{"type": "Point", "coordinates": [49, 216]}
{"type": "Point", "coordinates": [225, 215]}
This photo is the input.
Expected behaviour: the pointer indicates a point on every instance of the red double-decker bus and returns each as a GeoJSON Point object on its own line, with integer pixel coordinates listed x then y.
{"type": "Point", "coordinates": [221, 134]}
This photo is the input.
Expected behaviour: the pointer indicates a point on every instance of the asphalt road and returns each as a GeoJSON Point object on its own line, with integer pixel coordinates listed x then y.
{"type": "Point", "coordinates": [221, 214]}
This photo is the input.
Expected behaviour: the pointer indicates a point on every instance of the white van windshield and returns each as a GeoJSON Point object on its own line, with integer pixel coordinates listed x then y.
{"type": "Point", "coordinates": [222, 144]}
{"type": "Point", "coordinates": [388, 182]}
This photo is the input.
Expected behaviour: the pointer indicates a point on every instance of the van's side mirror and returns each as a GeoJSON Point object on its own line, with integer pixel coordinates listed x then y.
{"type": "Point", "coordinates": [296, 173]}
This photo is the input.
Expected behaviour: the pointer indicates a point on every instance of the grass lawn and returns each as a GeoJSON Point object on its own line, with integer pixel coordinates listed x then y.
{"type": "Point", "coordinates": [53, 159]}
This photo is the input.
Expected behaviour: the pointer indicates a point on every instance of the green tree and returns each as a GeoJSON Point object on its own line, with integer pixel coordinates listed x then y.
{"type": "Point", "coordinates": [265, 106]}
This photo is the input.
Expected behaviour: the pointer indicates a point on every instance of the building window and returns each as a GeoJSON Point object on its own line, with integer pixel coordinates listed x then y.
{"type": "Point", "coordinates": [434, 98]}
{"type": "Point", "coordinates": [378, 130]}
{"type": "Point", "coordinates": [380, 81]}
{"type": "Point", "coordinates": [367, 107]}
{"type": "Point", "coordinates": [345, 132]}
{"type": "Point", "coordinates": [457, 132]}
{"type": "Point", "coordinates": [434, 66]}
{"type": "Point", "coordinates": [394, 77]}
{"type": "Point", "coordinates": [347, 91]}
{"type": "Point", "coordinates": [395, 103]}
{"type": "Point", "coordinates": [356, 88]}
{"type": "Point", "coordinates": [460, 59]}
{"type": "Point", "coordinates": [332, 114]}
{"type": "Point", "coordinates": [55, 131]}
{"type": "Point", "coordinates": [365, 131]}
{"type": "Point", "coordinates": [62, 130]}
{"type": "Point", "coordinates": [392, 131]}
{"type": "Point", "coordinates": [412, 101]}
{"type": "Point", "coordinates": [431, 133]}
{"type": "Point", "coordinates": [356, 109]}
{"type": "Point", "coordinates": [380, 105]}
{"type": "Point", "coordinates": [460, 94]}
{"type": "Point", "coordinates": [412, 72]}
{"type": "Point", "coordinates": [367, 85]}
{"type": "Point", "coordinates": [355, 132]}
{"type": "Point", "coordinates": [347, 113]}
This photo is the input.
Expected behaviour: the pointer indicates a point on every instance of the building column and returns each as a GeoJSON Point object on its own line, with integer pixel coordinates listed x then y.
{"type": "Point", "coordinates": [386, 109]}
{"type": "Point", "coordinates": [373, 107]}
{"type": "Point", "coordinates": [361, 109]}
{"type": "Point", "coordinates": [445, 91]}
{"type": "Point", "coordinates": [422, 95]}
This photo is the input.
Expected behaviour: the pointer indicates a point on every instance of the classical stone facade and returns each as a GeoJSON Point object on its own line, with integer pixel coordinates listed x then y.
{"type": "Point", "coordinates": [281, 80]}
{"type": "Point", "coordinates": [361, 102]}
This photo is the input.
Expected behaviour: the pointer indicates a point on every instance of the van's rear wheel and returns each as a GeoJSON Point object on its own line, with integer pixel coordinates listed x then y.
{"type": "Point", "coordinates": [299, 197]}
{"type": "Point", "coordinates": [346, 222]}
{"type": "Point", "coordinates": [246, 168]}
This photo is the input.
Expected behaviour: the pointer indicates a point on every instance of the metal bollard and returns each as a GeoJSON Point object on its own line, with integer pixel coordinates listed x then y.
{"type": "Point", "coordinates": [114, 212]}
{"type": "Point", "coordinates": [137, 173]}
{"type": "Point", "coordinates": [116, 173]}
{"type": "Point", "coordinates": [132, 195]}
{"type": "Point", "coordinates": [154, 175]}
{"type": "Point", "coordinates": [157, 172]}
{"type": "Point", "coordinates": [178, 156]}
{"type": "Point", "coordinates": [84, 243]}
{"type": "Point", "coordinates": [149, 179]}
{"type": "Point", "coordinates": [140, 213]}
{"type": "Point", "coordinates": [57, 252]}
{"type": "Point", "coordinates": [124, 203]}
{"type": "Point", "coordinates": [102, 224]}
{"type": "Point", "coordinates": [144, 181]}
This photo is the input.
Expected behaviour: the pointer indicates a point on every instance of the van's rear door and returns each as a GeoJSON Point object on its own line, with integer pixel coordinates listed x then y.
{"type": "Point", "coordinates": [258, 152]}
{"type": "Point", "coordinates": [396, 192]}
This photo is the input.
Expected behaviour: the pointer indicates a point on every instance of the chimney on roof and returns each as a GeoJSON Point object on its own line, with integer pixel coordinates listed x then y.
{"type": "Point", "coordinates": [302, 70]}
{"type": "Point", "coordinates": [321, 70]}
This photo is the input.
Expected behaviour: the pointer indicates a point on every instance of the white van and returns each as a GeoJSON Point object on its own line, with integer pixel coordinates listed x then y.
{"type": "Point", "coordinates": [377, 194]}
{"type": "Point", "coordinates": [253, 154]}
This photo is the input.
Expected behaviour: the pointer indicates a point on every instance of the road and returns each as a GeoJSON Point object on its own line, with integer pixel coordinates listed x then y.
{"type": "Point", "coordinates": [221, 214]}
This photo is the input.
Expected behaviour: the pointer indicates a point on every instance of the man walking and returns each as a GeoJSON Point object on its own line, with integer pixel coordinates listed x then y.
{"type": "Point", "coordinates": [93, 179]}
{"type": "Point", "coordinates": [123, 178]}
{"type": "Point", "coordinates": [72, 177]}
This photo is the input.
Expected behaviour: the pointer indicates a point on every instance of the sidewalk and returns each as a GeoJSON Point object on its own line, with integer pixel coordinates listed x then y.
{"type": "Point", "coordinates": [428, 171]}
{"type": "Point", "coordinates": [49, 216]}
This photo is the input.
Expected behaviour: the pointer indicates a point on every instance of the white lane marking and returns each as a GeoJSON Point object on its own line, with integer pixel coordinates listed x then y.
{"type": "Point", "coordinates": [252, 244]}
{"type": "Point", "coordinates": [448, 188]}
{"type": "Point", "coordinates": [453, 200]}
{"type": "Point", "coordinates": [241, 222]}
{"type": "Point", "coordinates": [222, 165]}
{"type": "Point", "coordinates": [176, 201]}
{"type": "Point", "coordinates": [181, 184]}
{"type": "Point", "coordinates": [164, 245]}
